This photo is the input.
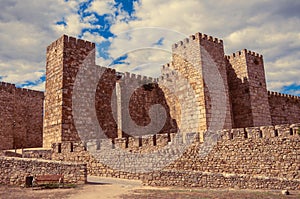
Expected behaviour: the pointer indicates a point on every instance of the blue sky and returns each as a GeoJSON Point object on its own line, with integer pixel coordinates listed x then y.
{"type": "Point", "coordinates": [136, 35]}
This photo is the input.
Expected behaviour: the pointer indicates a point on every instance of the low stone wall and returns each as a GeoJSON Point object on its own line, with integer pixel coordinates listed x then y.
{"type": "Point", "coordinates": [217, 180]}
{"type": "Point", "coordinates": [264, 156]}
{"type": "Point", "coordinates": [13, 171]}
{"type": "Point", "coordinates": [266, 151]}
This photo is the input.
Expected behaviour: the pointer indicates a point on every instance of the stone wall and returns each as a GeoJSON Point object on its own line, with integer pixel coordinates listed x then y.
{"type": "Point", "coordinates": [284, 109]}
{"type": "Point", "coordinates": [258, 157]}
{"type": "Point", "coordinates": [21, 117]}
{"type": "Point", "coordinates": [64, 58]}
{"type": "Point", "coordinates": [70, 61]}
{"type": "Point", "coordinates": [247, 88]}
{"type": "Point", "coordinates": [269, 151]}
{"type": "Point", "coordinates": [138, 95]}
{"type": "Point", "coordinates": [13, 171]}
{"type": "Point", "coordinates": [102, 156]}
{"type": "Point", "coordinates": [255, 157]}
{"type": "Point", "coordinates": [217, 180]}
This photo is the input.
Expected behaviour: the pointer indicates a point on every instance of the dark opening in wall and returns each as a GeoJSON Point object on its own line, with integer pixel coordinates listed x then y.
{"type": "Point", "coordinates": [113, 144]}
{"type": "Point", "coordinates": [154, 140]}
{"type": "Point", "coordinates": [245, 134]}
{"type": "Point", "coordinates": [59, 148]}
{"type": "Point", "coordinates": [97, 145]}
{"type": "Point", "coordinates": [291, 131]}
{"type": "Point", "coordinates": [28, 181]}
{"type": "Point", "coordinates": [126, 142]}
{"type": "Point", "coordinates": [256, 62]}
{"type": "Point", "coordinates": [148, 87]}
{"type": "Point", "coordinates": [230, 136]}
{"type": "Point", "coordinates": [169, 137]}
{"type": "Point", "coordinates": [260, 135]}
{"type": "Point", "coordinates": [71, 147]}
{"type": "Point", "coordinates": [40, 155]}
{"type": "Point", "coordinates": [276, 133]}
{"type": "Point", "coordinates": [140, 141]}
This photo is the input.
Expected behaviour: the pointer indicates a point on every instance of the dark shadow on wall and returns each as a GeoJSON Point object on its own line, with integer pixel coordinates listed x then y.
{"type": "Point", "coordinates": [140, 103]}
{"type": "Point", "coordinates": [239, 94]}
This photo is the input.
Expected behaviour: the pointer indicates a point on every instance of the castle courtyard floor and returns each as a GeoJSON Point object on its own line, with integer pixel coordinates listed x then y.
{"type": "Point", "coordinates": [98, 188]}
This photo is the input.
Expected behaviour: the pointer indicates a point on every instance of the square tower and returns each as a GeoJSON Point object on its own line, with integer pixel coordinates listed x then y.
{"type": "Point", "coordinates": [200, 60]}
{"type": "Point", "coordinates": [64, 58]}
{"type": "Point", "coordinates": [248, 91]}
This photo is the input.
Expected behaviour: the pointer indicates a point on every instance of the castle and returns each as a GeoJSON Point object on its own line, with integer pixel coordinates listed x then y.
{"type": "Point", "coordinates": [202, 90]}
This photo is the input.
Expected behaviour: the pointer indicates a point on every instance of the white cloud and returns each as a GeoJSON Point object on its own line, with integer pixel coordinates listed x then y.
{"type": "Point", "coordinates": [101, 7]}
{"type": "Point", "coordinates": [269, 28]}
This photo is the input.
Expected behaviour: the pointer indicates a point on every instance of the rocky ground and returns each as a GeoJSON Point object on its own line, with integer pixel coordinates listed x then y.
{"type": "Point", "coordinates": [117, 188]}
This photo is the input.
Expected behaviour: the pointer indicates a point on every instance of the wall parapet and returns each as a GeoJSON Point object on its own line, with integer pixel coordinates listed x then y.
{"type": "Point", "coordinates": [277, 94]}
{"type": "Point", "coordinates": [280, 131]}
{"type": "Point", "coordinates": [244, 52]}
{"type": "Point", "coordinates": [198, 36]}
{"type": "Point", "coordinates": [71, 41]}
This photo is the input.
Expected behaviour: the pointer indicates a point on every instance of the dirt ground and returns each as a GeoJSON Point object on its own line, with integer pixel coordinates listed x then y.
{"type": "Point", "coordinates": [102, 188]}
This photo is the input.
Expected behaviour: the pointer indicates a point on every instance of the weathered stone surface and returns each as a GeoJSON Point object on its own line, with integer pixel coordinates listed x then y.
{"type": "Point", "coordinates": [15, 170]}
{"type": "Point", "coordinates": [249, 152]}
{"type": "Point", "coordinates": [21, 117]}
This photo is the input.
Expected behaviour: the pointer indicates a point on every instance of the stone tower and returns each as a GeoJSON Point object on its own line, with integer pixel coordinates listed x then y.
{"type": "Point", "coordinates": [200, 60]}
{"type": "Point", "coordinates": [64, 58]}
{"type": "Point", "coordinates": [247, 84]}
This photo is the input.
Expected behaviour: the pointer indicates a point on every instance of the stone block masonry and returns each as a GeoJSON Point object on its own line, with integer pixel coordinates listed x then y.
{"type": "Point", "coordinates": [65, 58]}
{"type": "Point", "coordinates": [199, 60]}
{"type": "Point", "coordinates": [21, 117]}
{"type": "Point", "coordinates": [247, 88]}
{"type": "Point", "coordinates": [13, 171]}
{"type": "Point", "coordinates": [200, 89]}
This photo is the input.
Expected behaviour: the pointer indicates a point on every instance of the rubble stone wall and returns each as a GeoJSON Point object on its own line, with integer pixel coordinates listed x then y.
{"type": "Point", "coordinates": [255, 157]}
{"type": "Point", "coordinates": [259, 158]}
{"type": "Point", "coordinates": [13, 171]}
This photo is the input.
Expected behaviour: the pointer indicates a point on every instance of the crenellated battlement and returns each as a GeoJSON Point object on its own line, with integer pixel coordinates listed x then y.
{"type": "Point", "coordinates": [198, 37]}
{"type": "Point", "coordinates": [277, 94]}
{"type": "Point", "coordinates": [139, 78]}
{"type": "Point", "coordinates": [71, 41]}
{"type": "Point", "coordinates": [243, 53]}
{"type": "Point", "coordinates": [78, 42]}
{"type": "Point", "coordinates": [23, 91]}
{"type": "Point", "coordinates": [167, 71]}
{"type": "Point", "coordinates": [7, 85]}
{"type": "Point", "coordinates": [263, 132]}
{"type": "Point", "coordinates": [167, 65]}
{"type": "Point", "coordinates": [29, 92]}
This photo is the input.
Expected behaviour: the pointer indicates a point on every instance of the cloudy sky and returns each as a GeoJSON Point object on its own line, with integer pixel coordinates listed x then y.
{"type": "Point", "coordinates": [136, 35]}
